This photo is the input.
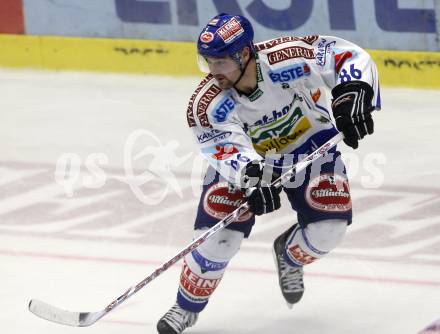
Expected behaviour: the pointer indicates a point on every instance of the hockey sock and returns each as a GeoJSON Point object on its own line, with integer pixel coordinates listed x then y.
{"type": "Point", "coordinates": [307, 245]}
{"type": "Point", "coordinates": [203, 269]}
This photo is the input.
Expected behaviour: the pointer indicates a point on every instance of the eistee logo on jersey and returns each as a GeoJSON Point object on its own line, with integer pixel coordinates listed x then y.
{"type": "Point", "coordinates": [290, 73]}
{"type": "Point", "coordinates": [329, 192]}
{"type": "Point", "coordinates": [223, 108]}
{"type": "Point", "coordinates": [230, 30]}
{"type": "Point", "coordinates": [289, 53]}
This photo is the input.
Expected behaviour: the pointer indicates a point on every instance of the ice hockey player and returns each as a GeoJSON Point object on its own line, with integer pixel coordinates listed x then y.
{"type": "Point", "coordinates": [260, 108]}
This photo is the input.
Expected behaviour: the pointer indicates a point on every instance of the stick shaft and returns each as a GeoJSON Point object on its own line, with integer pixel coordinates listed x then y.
{"type": "Point", "coordinates": [232, 217]}
{"type": "Point", "coordinates": [54, 314]}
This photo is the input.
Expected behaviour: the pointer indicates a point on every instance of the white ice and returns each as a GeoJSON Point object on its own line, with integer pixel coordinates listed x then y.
{"type": "Point", "coordinates": [81, 248]}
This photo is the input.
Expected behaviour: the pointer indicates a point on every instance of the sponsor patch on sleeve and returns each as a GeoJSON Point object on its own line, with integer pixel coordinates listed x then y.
{"type": "Point", "coordinates": [190, 109]}
{"type": "Point", "coordinates": [324, 51]}
{"type": "Point", "coordinates": [223, 152]}
{"type": "Point", "coordinates": [212, 135]}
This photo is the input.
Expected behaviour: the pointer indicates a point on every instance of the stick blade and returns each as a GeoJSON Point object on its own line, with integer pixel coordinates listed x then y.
{"type": "Point", "coordinates": [62, 317]}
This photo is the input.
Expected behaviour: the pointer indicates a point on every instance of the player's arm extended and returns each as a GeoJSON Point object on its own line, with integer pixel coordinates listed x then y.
{"type": "Point", "coordinates": [351, 74]}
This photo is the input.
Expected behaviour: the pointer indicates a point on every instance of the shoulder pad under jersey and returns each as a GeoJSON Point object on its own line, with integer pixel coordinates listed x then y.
{"type": "Point", "coordinates": [205, 105]}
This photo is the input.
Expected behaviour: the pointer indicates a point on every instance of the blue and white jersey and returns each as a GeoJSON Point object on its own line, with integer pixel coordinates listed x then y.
{"type": "Point", "coordinates": [288, 113]}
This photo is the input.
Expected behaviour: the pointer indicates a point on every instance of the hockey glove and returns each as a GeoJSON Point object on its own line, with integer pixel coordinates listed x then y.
{"type": "Point", "coordinates": [261, 196]}
{"type": "Point", "coordinates": [352, 109]}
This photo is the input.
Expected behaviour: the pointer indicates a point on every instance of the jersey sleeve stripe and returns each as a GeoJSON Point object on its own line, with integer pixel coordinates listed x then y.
{"type": "Point", "coordinates": [190, 110]}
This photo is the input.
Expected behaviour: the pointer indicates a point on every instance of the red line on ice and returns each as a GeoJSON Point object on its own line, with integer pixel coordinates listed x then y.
{"type": "Point", "coordinates": [232, 268]}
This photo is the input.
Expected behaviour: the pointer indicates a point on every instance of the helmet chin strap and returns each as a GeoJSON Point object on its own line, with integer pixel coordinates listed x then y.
{"type": "Point", "coordinates": [243, 70]}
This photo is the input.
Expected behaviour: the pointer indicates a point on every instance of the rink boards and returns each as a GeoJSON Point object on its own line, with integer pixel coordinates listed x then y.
{"type": "Point", "coordinates": [397, 68]}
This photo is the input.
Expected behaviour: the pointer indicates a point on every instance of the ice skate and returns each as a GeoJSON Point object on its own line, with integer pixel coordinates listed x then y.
{"type": "Point", "coordinates": [290, 278]}
{"type": "Point", "coordinates": [176, 320]}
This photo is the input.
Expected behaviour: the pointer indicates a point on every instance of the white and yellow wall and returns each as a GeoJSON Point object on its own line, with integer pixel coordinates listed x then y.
{"type": "Point", "coordinates": [157, 37]}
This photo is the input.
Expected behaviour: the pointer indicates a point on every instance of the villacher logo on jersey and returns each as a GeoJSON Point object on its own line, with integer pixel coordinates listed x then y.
{"type": "Point", "coordinates": [329, 192]}
{"type": "Point", "coordinates": [218, 202]}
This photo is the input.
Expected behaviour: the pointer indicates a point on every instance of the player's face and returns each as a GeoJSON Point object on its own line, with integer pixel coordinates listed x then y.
{"type": "Point", "coordinates": [225, 70]}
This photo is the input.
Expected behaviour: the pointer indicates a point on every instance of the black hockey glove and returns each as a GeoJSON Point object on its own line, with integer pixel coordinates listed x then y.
{"type": "Point", "coordinates": [352, 109]}
{"type": "Point", "coordinates": [261, 196]}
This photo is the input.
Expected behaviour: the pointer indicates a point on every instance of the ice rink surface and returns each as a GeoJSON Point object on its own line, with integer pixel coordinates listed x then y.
{"type": "Point", "coordinates": [79, 232]}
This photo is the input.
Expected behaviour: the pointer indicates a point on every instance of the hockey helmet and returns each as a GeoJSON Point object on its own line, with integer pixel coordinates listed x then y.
{"type": "Point", "coordinates": [224, 35]}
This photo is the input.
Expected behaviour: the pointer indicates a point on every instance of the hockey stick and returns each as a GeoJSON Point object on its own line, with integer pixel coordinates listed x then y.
{"type": "Point", "coordinates": [83, 319]}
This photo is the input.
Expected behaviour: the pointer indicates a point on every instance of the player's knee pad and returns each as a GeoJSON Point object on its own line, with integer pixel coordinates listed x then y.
{"type": "Point", "coordinates": [222, 246]}
{"type": "Point", "coordinates": [305, 246]}
{"type": "Point", "coordinates": [325, 235]}
{"type": "Point", "coordinates": [203, 268]}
